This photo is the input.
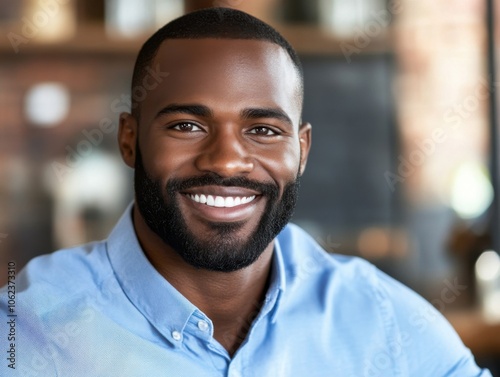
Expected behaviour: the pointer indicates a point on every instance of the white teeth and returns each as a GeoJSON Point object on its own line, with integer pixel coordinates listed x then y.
{"type": "Point", "coordinates": [221, 201]}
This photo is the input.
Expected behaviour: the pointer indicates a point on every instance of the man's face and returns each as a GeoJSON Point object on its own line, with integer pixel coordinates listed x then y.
{"type": "Point", "coordinates": [218, 149]}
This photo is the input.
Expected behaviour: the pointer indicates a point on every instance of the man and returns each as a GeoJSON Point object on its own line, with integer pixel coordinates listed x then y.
{"type": "Point", "coordinates": [202, 276]}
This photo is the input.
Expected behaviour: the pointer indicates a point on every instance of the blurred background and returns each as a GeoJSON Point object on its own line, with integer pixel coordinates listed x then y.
{"type": "Point", "coordinates": [402, 98]}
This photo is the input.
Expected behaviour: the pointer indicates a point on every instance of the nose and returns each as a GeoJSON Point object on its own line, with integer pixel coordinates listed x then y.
{"type": "Point", "coordinates": [225, 155]}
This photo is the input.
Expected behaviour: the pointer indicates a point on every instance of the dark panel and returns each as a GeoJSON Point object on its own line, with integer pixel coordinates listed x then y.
{"type": "Point", "coordinates": [350, 106]}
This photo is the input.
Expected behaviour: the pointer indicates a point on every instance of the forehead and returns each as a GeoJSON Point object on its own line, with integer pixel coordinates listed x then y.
{"type": "Point", "coordinates": [224, 73]}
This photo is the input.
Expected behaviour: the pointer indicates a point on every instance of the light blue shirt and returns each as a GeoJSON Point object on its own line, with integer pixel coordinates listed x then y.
{"type": "Point", "coordinates": [102, 310]}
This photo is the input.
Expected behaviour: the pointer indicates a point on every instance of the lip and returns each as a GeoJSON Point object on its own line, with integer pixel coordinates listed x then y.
{"type": "Point", "coordinates": [239, 213]}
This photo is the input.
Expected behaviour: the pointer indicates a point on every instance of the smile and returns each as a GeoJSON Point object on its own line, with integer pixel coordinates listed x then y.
{"type": "Point", "coordinates": [221, 201]}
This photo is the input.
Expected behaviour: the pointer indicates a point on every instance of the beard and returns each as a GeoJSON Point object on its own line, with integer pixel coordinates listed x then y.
{"type": "Point", "coordinates": [224, 250]}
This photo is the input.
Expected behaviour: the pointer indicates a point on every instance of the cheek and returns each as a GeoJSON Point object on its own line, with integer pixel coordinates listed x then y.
{"type": "Point", "coordinates": [282, 163]}
{"type": "Point", "coordinates": [163, 158]}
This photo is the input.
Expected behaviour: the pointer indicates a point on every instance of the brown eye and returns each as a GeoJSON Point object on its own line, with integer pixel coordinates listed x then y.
{"type": "Point", "coordinates": [263, 131]}
{"type": "Point", "coordinates": [186, 127]}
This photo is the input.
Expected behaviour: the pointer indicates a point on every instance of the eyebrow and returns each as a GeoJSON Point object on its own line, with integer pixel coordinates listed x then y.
{"type": "Point", "coordinates": [266, 113]}
{"type": "Point", "coordinates": [192, 109]}
{"type": "Point", "coordinates": [205, 111]}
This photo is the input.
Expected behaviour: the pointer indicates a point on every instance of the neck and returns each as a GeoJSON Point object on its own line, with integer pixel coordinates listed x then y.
{"type": "Point", "coordinates": [230, 299]}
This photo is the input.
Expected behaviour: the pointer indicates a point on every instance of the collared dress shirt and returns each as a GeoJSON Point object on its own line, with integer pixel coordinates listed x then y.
{"type": "Point", "coordinates": [102, 310]}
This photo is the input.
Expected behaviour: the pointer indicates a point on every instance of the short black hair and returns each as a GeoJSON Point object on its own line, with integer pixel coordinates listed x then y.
{"type": "Point", "coordinates": [221, 23]}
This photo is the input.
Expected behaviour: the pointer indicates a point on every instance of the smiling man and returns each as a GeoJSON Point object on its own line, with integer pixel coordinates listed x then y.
{"type": "Point", "coordinates": [203, 275]}
{"type": "Point", "coordinates": [218, 149]}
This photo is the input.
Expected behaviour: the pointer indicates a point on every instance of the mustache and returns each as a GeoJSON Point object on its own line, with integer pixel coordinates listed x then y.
{"type": "Point", "coordinates": [181, 184]}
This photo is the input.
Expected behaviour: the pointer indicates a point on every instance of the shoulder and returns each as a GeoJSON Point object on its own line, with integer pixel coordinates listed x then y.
{"type": "Point", "coordinates": [46, 303]}
{"type": "Point", "coordinates": [385, 320]}
{"type": "Point", "coordinates": [305, 260]}
{"type": "Point", "coordinates": [51, 280]}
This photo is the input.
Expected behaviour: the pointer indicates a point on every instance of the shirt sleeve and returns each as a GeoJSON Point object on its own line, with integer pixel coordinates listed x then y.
{"type": "Point", "coordinates": [430, 345]}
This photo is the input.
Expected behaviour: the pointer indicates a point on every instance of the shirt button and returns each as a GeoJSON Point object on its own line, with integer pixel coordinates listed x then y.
{"type": "Point", "coordinates": [203, 325]}
{"type": "Point", "coordinates": [176, 335]}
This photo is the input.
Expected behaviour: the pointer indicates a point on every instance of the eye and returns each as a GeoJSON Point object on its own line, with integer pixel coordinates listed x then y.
{"type": "Point", "coordinates": [263, 131]}
{"type": "Point", "coordinates": [186, 127]}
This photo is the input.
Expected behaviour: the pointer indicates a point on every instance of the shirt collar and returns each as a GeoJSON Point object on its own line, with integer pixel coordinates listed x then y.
{"type": "Point", "coordinates": [150, 292]}
{"type": "Point", "coordinates": [154, 296]}
{"type": "Point", "coordinates": [278, 279]}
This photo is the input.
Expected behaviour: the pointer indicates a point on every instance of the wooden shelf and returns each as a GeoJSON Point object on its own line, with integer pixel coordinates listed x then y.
{"type": "Point", "coordinates": [93, 39]}
{"type": "Point", "coordinates": [315, 40]}
{"type": "Point", "coordinates": [88, 39]}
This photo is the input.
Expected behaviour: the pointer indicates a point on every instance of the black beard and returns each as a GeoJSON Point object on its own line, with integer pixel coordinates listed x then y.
{"type": "Point", "coordinates": [225, 251]}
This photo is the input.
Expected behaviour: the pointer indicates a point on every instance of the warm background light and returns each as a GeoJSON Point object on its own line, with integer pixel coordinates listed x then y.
{"type": "Point", "coordinates": [47, 104]}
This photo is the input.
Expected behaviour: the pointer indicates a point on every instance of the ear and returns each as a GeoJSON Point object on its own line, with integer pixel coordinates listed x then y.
{"type": "Point", "coordinates": [127, 138]}
{"type": "Point", "coordinates": [305, 130]}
